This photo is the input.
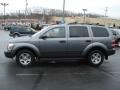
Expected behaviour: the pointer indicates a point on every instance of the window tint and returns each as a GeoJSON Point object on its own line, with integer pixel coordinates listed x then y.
{"type": "Point", "coordinates": [100, 32]}
{"type": "Point", "coordinates": [28, 29]}
{"type": "Point", "coordinates": [78, 31]}
{"type": "Point", "coordinates": [22, 29]}
{"type": "Point", "coordinates": [58, 32]}
{"type": "Point", "coordinates": [14, 29]}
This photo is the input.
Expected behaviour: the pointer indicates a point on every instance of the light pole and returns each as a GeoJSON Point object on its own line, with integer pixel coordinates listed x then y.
{"type": "Point", "coordinates": [84, 10]}
{"type": "Point", "coordinates": [19, 16]}
{"type": "Point", "coordinates": [63, 10]}
{"type": "Point", "coordinates": [26, 9]}
{"type": "Point", "coordinates": [4, 6]}
{"type": "Point", "coordinates": [106, 10]}
{"type": "Point", "coordinates": [43, 18]}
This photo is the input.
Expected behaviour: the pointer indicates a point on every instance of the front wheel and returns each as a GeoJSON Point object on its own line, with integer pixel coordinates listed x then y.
{"type": "Point", "coordinates": [16, 35]}
{"type": "Point", "coordinates": [95, 58]}
{"type": "Point", "coordinates": [25, 58]}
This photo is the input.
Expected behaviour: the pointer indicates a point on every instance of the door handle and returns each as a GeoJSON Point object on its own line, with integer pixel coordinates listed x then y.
{"type": "Point", "coordinates": [88, 40]}
{"type": "Point", "coordinates": [62, 41]}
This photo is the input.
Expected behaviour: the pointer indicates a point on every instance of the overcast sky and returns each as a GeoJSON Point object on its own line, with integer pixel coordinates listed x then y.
{"type": "Point", "coordinates": [93, 6]}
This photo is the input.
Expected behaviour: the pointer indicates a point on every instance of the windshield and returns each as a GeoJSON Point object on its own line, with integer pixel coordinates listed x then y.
{"type": "Point", "coordinates": [38, 33]}
{"type": "Point", "coordinates": [32, 29]}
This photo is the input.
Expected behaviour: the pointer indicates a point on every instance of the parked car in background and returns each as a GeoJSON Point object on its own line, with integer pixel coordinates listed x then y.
{"type": "Point", "coordinates": [39, 26]}
{"type": "Point", "coordinates": [94, 43]}
{"type": "Point", "coordinates": [8, 27]}
{"type": "Point", "coordinates": [44, 26]}
{"type": "Point", "coordinates": [18, 31]}
{"type": "Point", "coordinates": [116, 34]}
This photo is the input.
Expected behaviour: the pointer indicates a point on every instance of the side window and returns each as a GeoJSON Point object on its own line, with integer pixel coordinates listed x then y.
{"type": "Point", "coordinates": [100, 32]}
{"type": "Point", "coordinates": [58, 32]}
{"type": "Point", "coordinates": [22, 29]}
{"type": "Point", "coordinates": [78, 31]}
{"type": "Point", "coordinates": [28, 29]}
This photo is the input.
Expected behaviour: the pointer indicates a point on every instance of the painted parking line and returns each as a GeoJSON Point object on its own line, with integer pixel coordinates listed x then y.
{"type": "Point", "coordinates": [45, 74]}
{"type": "Point", "coordinates": [28, 74]}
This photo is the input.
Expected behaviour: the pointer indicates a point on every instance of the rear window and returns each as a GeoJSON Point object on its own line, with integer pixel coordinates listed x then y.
{"type": "Point", "coordinates": [78, 31]}
{"type": "Point", "coordinates": [100, 32]}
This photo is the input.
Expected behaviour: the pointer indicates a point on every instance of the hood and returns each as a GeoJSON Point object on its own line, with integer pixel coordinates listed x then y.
{"type": "Point", "coordinates": [20, 39]}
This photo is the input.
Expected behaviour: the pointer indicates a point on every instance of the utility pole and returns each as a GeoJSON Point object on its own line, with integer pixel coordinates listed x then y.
{"type": "Point", "coordinates": [106, 10]}
{"type": "Point", "coordinates": [63, 10]}
{"type": "Point", "coordinates": [43, 18]}
{"type": "Point", "coordinates": [19, 16]}
{"type": "Point", "coordinates": [84, 10]}
{"type": "Point", "coordinates": [4, 7]}
{"type": "Point", "coordinates": [26, 9]}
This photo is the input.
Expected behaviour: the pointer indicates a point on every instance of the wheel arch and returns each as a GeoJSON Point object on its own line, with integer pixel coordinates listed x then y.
{"type": "Point", "coordinates": [101, 48]}
{"type": "Point", "coordinates": [34, 50]}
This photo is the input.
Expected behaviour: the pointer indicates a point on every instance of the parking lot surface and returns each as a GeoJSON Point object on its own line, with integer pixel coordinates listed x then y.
{"type": "Point", "coordinates": [72, 75]}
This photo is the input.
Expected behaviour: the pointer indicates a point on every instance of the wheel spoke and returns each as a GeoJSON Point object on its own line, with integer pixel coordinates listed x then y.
{"type": "Point", "coordinates": [25, 58]}
{"type": "Point", "coordinates": [96, 58]}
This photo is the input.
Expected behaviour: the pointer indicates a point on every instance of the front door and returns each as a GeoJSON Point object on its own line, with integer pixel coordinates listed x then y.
{"type": "Point", "coordinates": [54, 44]}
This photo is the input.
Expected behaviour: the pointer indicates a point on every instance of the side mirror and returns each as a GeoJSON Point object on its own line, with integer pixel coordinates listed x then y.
{"type": "Point", "coordinates": [44, 37]}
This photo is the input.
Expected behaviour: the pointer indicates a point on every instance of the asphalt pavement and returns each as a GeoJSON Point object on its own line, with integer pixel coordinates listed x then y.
{"type": "Point", "coordinates": [58, 76]}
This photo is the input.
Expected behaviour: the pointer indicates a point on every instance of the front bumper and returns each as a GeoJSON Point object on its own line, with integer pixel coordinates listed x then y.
{"type": "Point", "coordinates": [9, 54]}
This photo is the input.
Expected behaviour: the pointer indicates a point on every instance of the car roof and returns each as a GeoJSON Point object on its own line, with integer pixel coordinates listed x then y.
{"type": "Point", "coordinates": [60, 25]}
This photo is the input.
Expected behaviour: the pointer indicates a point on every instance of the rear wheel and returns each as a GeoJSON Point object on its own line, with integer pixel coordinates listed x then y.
{"type": "Point", "coordinates": [25, 58]}
{"type": "Point", "coordinates": [95, 58]}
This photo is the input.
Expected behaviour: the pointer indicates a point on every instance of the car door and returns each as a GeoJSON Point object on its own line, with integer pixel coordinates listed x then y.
{"type": "Point", "coordinates": [22, 31]}
{"type": "Point", "coordinates": [79, 38]}
{"type": "Point", "coordinates": [54, 43]}
{"type": "Point", "coordinates": [29, 31]}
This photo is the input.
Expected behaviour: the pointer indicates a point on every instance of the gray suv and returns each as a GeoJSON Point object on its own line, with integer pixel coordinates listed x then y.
{"type": "Point", "coordinates": [94, 43]}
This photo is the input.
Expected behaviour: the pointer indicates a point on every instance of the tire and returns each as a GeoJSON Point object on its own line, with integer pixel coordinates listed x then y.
{"type": "Point", "coordinates": [16, 35]}
{"type": "Point", "coordinates": [25, 58]}
{"type": "Point", "coordinates": [95, 58]}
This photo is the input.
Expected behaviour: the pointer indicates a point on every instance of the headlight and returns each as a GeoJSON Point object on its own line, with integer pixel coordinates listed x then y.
{"type": "Point", "coordinates": [10, 46]}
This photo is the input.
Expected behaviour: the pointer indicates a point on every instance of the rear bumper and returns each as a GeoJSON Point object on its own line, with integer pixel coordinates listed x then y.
{"type": "Point", "coordinates": [111, 52]}
{"type": "Point", "coordinates": [9, 54]}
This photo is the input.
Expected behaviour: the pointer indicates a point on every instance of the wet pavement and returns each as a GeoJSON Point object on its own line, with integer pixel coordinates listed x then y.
{"type": "Point", "coordinates": [72, 75]}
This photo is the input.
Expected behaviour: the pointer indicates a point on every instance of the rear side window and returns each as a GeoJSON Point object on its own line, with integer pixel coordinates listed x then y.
{"type": "Point", "coordinates": [78, 31]}
{"type": "Point", "coordinates": [100, 32]}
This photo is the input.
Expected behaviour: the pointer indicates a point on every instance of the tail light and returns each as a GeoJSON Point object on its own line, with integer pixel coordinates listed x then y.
{"type": "Point", "coordinates": [114, 43]}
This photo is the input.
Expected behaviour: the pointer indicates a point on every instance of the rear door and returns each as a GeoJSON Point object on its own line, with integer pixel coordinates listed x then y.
{"type": "Point", "coordinates": [24, 31]}
{"type": "Point", "coordinates": [79, 38]}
